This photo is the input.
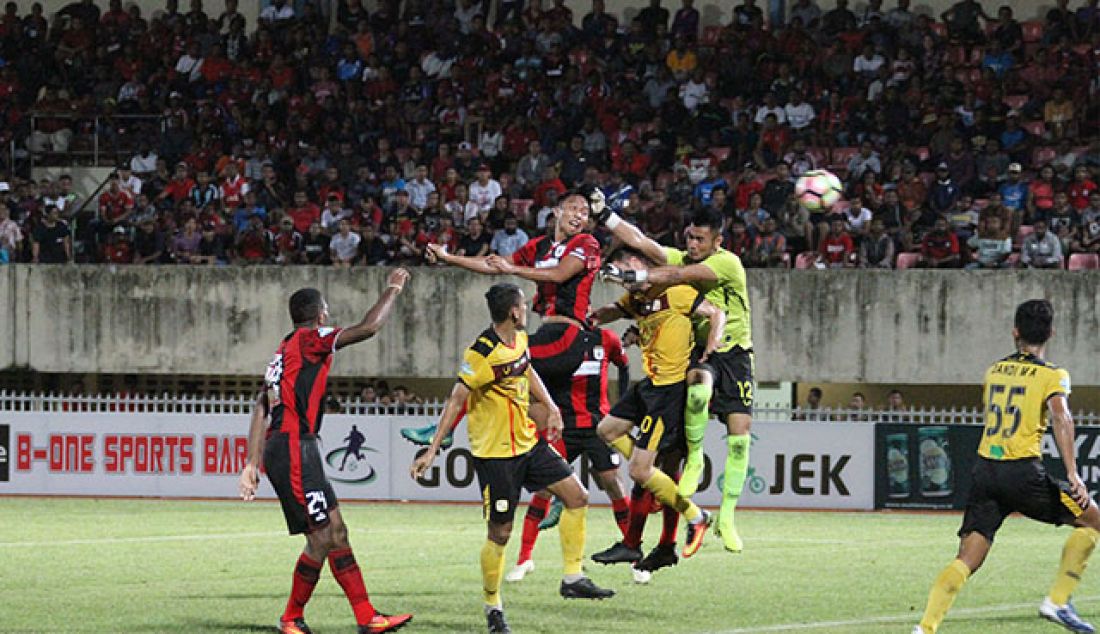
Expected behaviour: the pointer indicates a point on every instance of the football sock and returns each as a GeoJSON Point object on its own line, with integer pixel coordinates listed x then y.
{"type": "Point", "coordinates": [639, 509]}
{"type": "Point", "coordinates": [536, 510]}
{"type": "Point", "coordinates": [1075, 558]}
{"type": "Point", "coordinates": [696, 417]}
{"type": "Point", "coordinates": [346, 571]}
{"type": "Point", "coordinates": [622, 513]}
{"type": "Point", "coordinates": [664, 489]}
{"type": "Point", "coordinates": [492, 570]}
{"type": "Point", "coordinates": [572, 527]}
{"type": "Point", "coordinates": [943, 594]}
{"type": "Point", "coordinates": [670, 520]}
{"type": "Point", "coordinates": [624, 444]}
{"type": "Point", "coordinates": [559, 446]}
{"type": "Point", "coordinates": [737, 468]}
{"type": "Point", "coordinates": [306, 573]}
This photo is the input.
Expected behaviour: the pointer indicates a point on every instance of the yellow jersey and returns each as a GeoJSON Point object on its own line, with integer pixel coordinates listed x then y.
{"type": "Point", "coordinates": [496, 409]}
{"type": "Point", "coordinates": [664, 322]}
{"type": "Point", "coordinates": [1015, 395]}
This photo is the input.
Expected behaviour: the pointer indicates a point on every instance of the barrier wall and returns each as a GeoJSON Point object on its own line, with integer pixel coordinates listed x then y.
{"type": "Point", "coordinates": [833, 326]}
{"type": "Point", "coordinates": [803, 465]}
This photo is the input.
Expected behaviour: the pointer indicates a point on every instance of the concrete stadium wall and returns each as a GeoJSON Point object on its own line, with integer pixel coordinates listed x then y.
{"type": "Point", "coordinates": [909, 327]}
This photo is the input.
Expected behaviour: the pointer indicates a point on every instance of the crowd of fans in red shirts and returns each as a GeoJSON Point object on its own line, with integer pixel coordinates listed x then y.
{"type": "Point", "coordinates": [359, 137]}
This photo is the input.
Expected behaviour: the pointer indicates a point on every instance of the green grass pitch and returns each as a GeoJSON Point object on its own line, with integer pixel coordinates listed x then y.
{"type": "Point", "coordinates": [187, 566]}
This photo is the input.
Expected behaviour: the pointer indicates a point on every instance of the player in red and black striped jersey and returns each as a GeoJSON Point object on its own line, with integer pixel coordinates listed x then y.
{"type": "Point", "coordinates": [577, 369]}
{"type": "Point", "coordinates": [294, 400]}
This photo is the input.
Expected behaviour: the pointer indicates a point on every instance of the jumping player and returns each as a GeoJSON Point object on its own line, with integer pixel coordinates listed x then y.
{"type": "Point", "coordinates": [655, 405]}
{"type": "Point", "coordinates": [295, 386]}
{"type": "Point", "coordinates": [725, 379]}
{"type": "Point", "coordinates": [495, 382]}
{"type": "Point", "coordinates": [1022, 392]}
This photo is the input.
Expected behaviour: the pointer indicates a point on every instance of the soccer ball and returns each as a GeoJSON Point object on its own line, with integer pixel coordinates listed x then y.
{"type": "Point", "coordinates": [818, 190]}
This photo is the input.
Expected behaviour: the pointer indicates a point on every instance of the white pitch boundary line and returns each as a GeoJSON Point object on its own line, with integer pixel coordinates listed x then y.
{"type": "Point", "coordinates": [912, 617]}
{"type": "Point", "coordinates": [187, 538]}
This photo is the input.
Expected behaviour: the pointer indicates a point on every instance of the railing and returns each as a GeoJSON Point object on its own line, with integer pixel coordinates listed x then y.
{"type": "Point", "coordinates": [16, 401]}
{"type": "Point", "coordinates": [105, 139]}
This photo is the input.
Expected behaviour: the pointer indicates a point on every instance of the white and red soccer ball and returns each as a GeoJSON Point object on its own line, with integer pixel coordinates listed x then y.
{"type": "Point", "coordinates": [818, 190]}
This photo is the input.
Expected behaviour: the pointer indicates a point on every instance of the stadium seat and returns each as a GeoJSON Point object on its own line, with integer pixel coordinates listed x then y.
{"type": "Point", "coordinates": [1033, 31]}
{"type": "Point", "coordinates": [720, 153]}
{"type": "Point", "coordinates": [1015, 102]}
{"type": "Point", "coordinates": [1043, 155]}
{"type": "Point", "coordinates": [977, 54]}
{"type": "Point", "coordinates": [923, 153]}
{"type": "Point", "coordinates": [820, 154]}
{"type": "Point", "coordinates": [1035, 128]}
{"type": "Point", "coordinates": [841, 206]}
{"type": "Point", "coordinates": [908, 261]}
{"type": "Point", "coordinates": [1084, 261]}
{"type": "Point", "coordinates": [940, 29]}
{"type": "Point", "coordinates": [1023, 232]}
{"type": "Point", "coordinates": [955, 55]}
{"type": "Point", "coordinates": [981, 203]}
{"type": "Point", "coordinates": [840, 157]}
{"type": "Point", "coordinates": [1083, 50]}
{"type": "Point", "coordinates": [579, 57]}
{"type": "Point", "coordinates": [805, 260]}
{"type": "Point", "coordinates": [521, 207]}
{"type": "Point", "coordinates": [974, 75]}
{"type": "Point", "coordinates": [1013, 260]}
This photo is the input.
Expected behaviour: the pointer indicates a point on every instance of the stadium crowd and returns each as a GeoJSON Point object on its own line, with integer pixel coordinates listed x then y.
{"type": "Point", "coordinates": [357, 138]}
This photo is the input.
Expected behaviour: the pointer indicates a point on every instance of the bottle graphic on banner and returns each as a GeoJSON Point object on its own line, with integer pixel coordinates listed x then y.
{"type": "Point", "coordinates": [897, 464]}
{"type": "Point", "coordinates": [935, 462]}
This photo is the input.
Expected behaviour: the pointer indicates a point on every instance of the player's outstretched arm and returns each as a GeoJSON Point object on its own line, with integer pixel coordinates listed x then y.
{"type": "Point", "coordinates": [554, 424]}
{"type": "Point", "coordinates": [570, 266]}
{"type": "Point", "coordinates": [673, 275]}
{"type": "Point", "coordinates": [1062, 422]}
{"type": "Point", "coordinates": [451, 413]}
{"type": "Point", "coordinates": [717, 319]}
{"type": "Point", "coordinates": [477, 264]}
{"type": "Point", "coordinates": [250, 474]}
{"type": "Point", "coordinates": [606, 315]}
{"type": "Point", "coordinates": [630, 235]}
{"type": "Point", "coordinates": [378, 314]}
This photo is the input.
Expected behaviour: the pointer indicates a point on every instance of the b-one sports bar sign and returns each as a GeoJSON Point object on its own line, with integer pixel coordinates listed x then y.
{"type": "Point", "coordinates": [794, 465]}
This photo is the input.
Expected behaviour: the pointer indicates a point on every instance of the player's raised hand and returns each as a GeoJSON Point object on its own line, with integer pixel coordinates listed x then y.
{"type": "Point", "coordinates": [631, 337]}
{"type": "Point", "coordinates": [397, 278]}
{"type": "Point", "coordinates": [249, 480]}
{"type": "Point", "coordinates": [501, 264]}
{"type": "Point", "coordinates": [422, 463]}
{"type": "Point", "coordinates": [435, 252]}
{"type": "Point", "coordinates": [597, 205]}
{"type": "Point", "coordinates": [554, 425]}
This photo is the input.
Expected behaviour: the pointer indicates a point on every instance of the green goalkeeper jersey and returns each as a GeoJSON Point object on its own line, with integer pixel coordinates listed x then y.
{"type": "Point", "coordinates": [729, 292]}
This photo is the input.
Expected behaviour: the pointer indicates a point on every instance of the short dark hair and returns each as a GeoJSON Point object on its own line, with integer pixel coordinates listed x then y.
{"type": "Point", "coordinates": [816, 391]}
{"type": "Point", "coordinates": [306, 305]}
{"type": "Point", "coordinates": [502, 298]}
{"type": "Point", "coordinates": [624, 252]}
{"type": "Point", "coordinates": [1035, 321]}
{"type": "Point", "coordinates": [707, 217]}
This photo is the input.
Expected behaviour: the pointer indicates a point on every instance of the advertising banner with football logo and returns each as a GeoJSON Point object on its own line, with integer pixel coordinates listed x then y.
{"type": "Point", "coordinates": [797, 465]}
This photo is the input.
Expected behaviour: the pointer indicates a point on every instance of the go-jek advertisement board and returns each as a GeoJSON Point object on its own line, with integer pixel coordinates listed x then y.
{"type": "Point", "coordinates": [796, 465]}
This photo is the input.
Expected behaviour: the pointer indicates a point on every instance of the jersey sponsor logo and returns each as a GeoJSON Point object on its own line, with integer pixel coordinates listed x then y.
{"type": "Point", "coordinates": [273, 376]}
{"type": "Point", "coordinates": [588, 368]}
{"type": "Point", "coordinates": [559, 251]}
{"type": "Point", "coordinates": [501, 506]}
{"type": "Point", "coordinates": [548, 263]}
{"type": "Point", "coordinates": [5, 437]}
{"type": "Point", "coordinates": [512, 368]}
{"type": "Point", "coordinates": [466, 369]}
{"type": "Point", "coordinates": [1064, 383]}
{"type": "Point", "coordinates": [348, 464]}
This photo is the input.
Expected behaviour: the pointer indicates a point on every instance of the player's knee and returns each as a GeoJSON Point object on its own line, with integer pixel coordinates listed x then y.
{"type": "Point", "coordinates": [605, 430]}
{"type": "Point", "coordinates": [500, 533]}
{"type": "Point", "coordinates": [640, 473]}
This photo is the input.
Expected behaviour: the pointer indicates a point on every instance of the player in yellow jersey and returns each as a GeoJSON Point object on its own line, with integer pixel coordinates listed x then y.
{"type": "Point", "coordinates": [656, 404]}
{"type": "Point", "coordinates": [723, 383]}
{"type": "Point", "coordinates": [1022, 392]}
{"type": "Point", "coordinates": [494, 383]}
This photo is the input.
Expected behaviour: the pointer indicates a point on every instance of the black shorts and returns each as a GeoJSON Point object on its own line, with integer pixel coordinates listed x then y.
{"type": "Point", "coordinates": [658, 411]}
{"type": "Point", "coordinates": [1001, 487]}
{"type": "Point", "coordinates": [299, 480]}
{"type": "Point", "coordinates": [556, 353]}
{"type": "Point", "coordinates": [733, 382]}
{"type": "Point", "coordinates": [585, 441]}
{"type": "Point", "coordinates": [502, 478]}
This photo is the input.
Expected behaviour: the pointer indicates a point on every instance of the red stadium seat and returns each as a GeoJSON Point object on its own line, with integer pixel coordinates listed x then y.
{"type": "Point", "coordinates": [579, 57]}
{"type": "Point", "coordinates": [1015, 102]}
{"type": "Point", "coordinates": [820, 155]}
{"type": "Point", "coordinates": [977, 54]}
{"type": "Point", "coordinates": [1033, 31]}
{"type": "Point", "coordinates": [923, 153]}
{"type": "Point", "coordinates": [1083, 50]}
{"type": "Point", "coordinates": [940, 29]}
{"type": "Point", "coordinates": [840, 206]}
{"type": "Point", "coordinates": [981, 203]}
{"type": "Point", "coordinates": [805, 260]}
{"type": "Point", "coordinates": [1013, 260]}
{"type": "Point", "coordinates": [1043, 155]}
{"type": "Point", "coordinates": [955, 55]}
{"type": "Point", "coordinates": [908, 261]}
{"type": "Point", "coordinates": [1084, 261]}
{"type": "Point", "coordinates": [841, 156]}
{"type": "Point", "coordinates": [1035, 128]}
{"type": "Point", "coordinates": [974, 75]}
{"type": "Point", "coordinates": [720, 153]}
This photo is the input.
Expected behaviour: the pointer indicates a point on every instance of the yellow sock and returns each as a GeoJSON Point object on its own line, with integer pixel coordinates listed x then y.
{"type": "Point", "coordinates": [943, 594]}
{"type": "Point", "coordinates": [624, 444]}
{"type": "Point", "coordinates": [664, 489]}
{"type": "Point", "coordinates": [572, 528]}
{"type": "Point", "coordinates": [492, 570]}
{"type": "Point", "coordinates": [1075, 557]}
